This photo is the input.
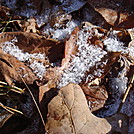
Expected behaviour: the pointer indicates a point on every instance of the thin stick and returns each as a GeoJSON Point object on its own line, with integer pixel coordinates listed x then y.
{"type": "Point", "coordinates": [34, 101]}
{"type": "Point", "coordinates": [31, 96]}
{"type": "Point", "coordinates": [126, 93]}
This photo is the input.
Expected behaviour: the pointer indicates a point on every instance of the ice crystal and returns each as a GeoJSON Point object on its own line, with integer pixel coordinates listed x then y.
{"type": "Point", "coordinates": [119, 84]}
{"type": "Point", "coordinates": [62, 33]}
{"type": "Point", "coordinates": [113, 45]}
{"type": "Point", "coordinates": [88, 55]}
{"type": "Point", "coordinates": [131, 50]}
{"type": "Point", "coordinates": [31, 59]}
{"type": "Point", "coordinates": [11, 3]}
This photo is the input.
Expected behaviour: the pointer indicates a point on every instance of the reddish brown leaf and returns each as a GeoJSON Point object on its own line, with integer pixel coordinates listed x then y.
{"type": "Point", "coordinates": [70, 47]}
{"type": "Point", "coordinates": [96, 95]}
{"type": "Point", "coordinates": [33, 43]}
{"type": "Point", "coordinates": [11, 69]}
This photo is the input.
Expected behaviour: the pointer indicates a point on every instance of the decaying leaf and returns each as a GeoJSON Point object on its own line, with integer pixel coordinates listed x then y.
{"type": "Point", "coordinates": [33, 43]}
{"type": "Point", "coordinates": [100, 47]}
{"type": "Point", "coordinates": [70, 47]}
{"type": "Point", "coordinates": [4, 12]}
{"type": "Point", "coordinates": [4, 116]}
{"type": "Point", "coordinates": [114, 12]}
{"type": "Point", "coordinates": [96, 95]}
{"type": "Point", "coordinates": [12, 70]}
{"type": "Point", "coordinates": [103, 67]}
{"type": "Point", "coordinates": [68, 113]}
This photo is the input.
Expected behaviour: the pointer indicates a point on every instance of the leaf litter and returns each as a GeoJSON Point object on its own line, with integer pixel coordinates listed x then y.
{"type": "Point", "coordinates": [70, 50]}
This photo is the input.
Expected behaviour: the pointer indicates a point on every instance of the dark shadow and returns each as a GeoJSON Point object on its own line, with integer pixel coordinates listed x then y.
{"type": "Point", "coordinates": [118, 19]}
{"type": "Point", "coordinates": [48, 96]}
{"type": "Point", "coordinates": [15, 124]}
{"type": "Point", "coordinates": [88, 14]}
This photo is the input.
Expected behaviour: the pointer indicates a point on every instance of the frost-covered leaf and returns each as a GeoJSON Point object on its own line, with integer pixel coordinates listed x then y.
{"type": "Point", "coordinates": [102, 67]}
{"type": "Point", "coordinates": [35, 51]}
{"type": "Point", "coordinates": [85, 60]}
{"type": "Point", "coordinates": [70, 47]}
{"type": "Point", "coordinates": [11, 69]}
{"type": "Point", "coordinates": [69, 113]}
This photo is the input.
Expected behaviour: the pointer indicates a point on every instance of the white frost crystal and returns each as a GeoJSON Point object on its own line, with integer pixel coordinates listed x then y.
{"type": "Point", "coordinates": [88, 55]}
{"type": "Point", "coordinates": [37, 67]}
{"type": "Point", "coordinates": [113, 45]}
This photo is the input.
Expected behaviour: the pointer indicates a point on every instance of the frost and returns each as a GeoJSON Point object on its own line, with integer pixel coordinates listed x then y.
{"type": "Point", "coordinates": [62, 33]}
{"type": "Point", "coordinates": [88, 55]}
{"type": "Point", "coordinates": [43, 18]}
{"type": "Point", "coordinates": [131, 50]}
{"type": "Point", "coordinates": [119, 84]}
{"type": "Point", "coordinates": [59, 33]}
{"type": "Point", "coordinates": [11, 3]}
{"type": "Point", "coordinates": [113, 45]}
{"type": "Point", "coordinates": [31, 59]}
{"type": "Point", "coordinates": [28, 12]}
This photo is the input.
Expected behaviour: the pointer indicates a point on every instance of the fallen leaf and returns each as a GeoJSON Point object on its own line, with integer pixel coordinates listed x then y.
{"type": "Point", "coordinates": [69, 113]}
{"type": "Point", "coordinates": [70, 48]}
{"type": "Point", "coordinates": [102, 68]}
{"type": "Point", "coordinates": [88, 14]}
{"type": "Point", "coordinates": [95, 95]}
{"type": "Point", "coordinates": [12, 70]}
{"type": "Point", "coordinates": [4, 116]}
{"type": "Point", "coordinates": [32, 26]}
{"type": "Point", "coordinates": [127, 23]}
{"type": "Point", "coordinates": [33, 43]}
{"type": "Point", "coordinates": [114, 12]}
{"type": "Point", "coordinates": [4, 12]}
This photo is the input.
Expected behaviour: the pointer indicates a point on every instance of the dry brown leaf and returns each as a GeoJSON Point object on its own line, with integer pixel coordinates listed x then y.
{"type": "Point", "coordinates": [115, 11]}
{"type": "Point", "coordinates": [32, 26]}
{"type": "Point", "coordinates": [128, 23]}
{"type": "Point", "coordinates": [104, 66]}
{"type": "Point", "coordinates": [68, 113]}
{"type": "Point", "coordinates": [4, 12]}
{"type": "Point", "coordinates": [96, 95]}
{"type": "Point", "coordinates": [89, 14]}
{"type": "Point", "coordinates": [11, 69]}
{"type": "Point", "coordinates": [113, 17]}
{"type": "Point", "coordinates": [27, 26]}
{"type": "Point", "coordinates": [70, 47]}
{"type": "Point", "coordinates": [33, 43]}
{"type": "Point", "coordinates": [4, 116]}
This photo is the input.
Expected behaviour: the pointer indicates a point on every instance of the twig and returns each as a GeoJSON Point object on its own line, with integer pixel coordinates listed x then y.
{"type": "Point", "coordinates": [7, 24]}
{"type": "Point", "coordinates": [30, 94]}
{"type": "Point", "coordinates": [9, 109]}
{"type": "Point", "coordinates": [126, 93]}
{"type": "Point", "coordinates": [33, 100]}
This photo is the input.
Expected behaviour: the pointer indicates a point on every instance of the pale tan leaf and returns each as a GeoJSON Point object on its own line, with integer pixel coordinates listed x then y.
{"type": "Point", "coordinates": [69, 113]}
